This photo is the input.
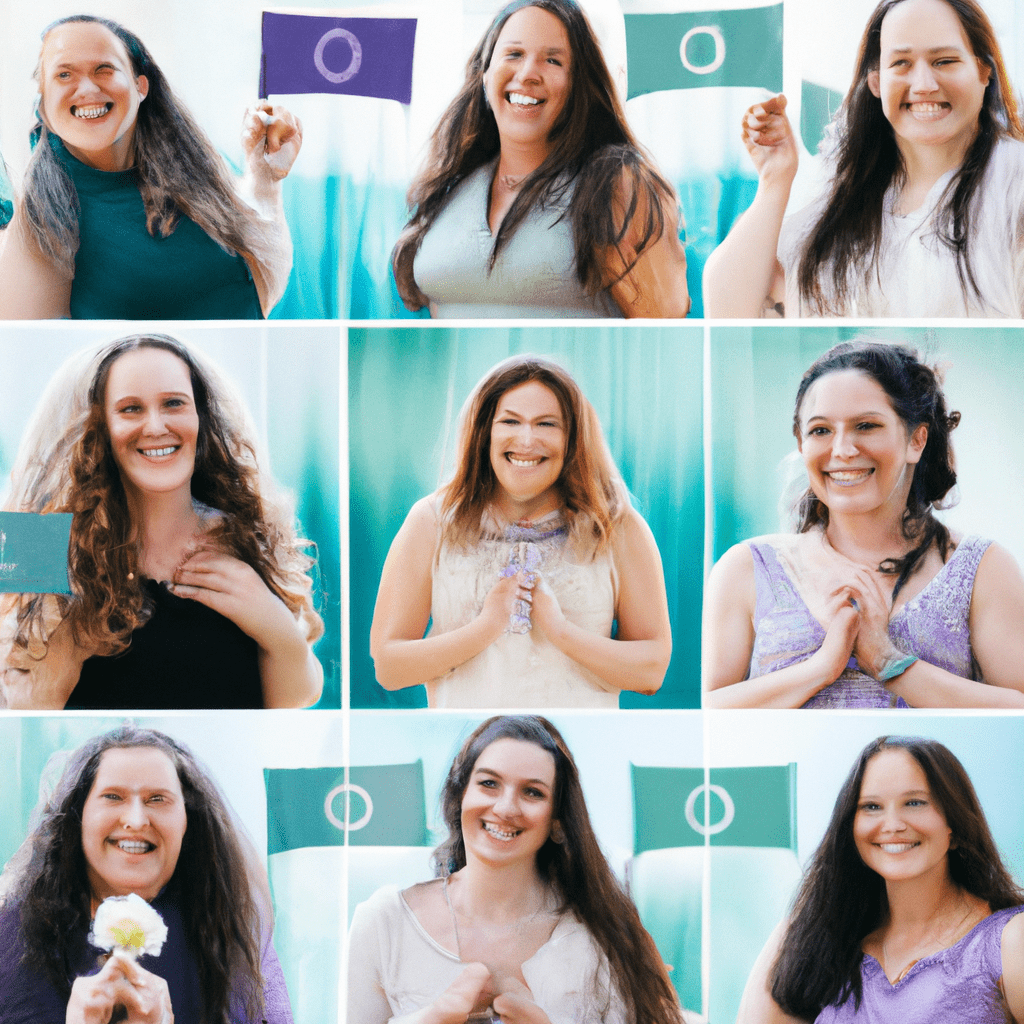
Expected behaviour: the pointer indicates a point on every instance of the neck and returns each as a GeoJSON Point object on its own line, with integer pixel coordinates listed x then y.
{"type": "Point", "coordinates": [517, 162]}
{"type": "Point", "coordinates": [924, 165]}
{"type": "Point", "coordinates": [921, 903]}
{"type": "Point", "coordinates": [497, 893]}
{"type": "Point", "coordinates": [162, 522]}
{"type": "Point", "coordinates": [867, 539]}
{"type": "Point", "coordinates": [512, 510]}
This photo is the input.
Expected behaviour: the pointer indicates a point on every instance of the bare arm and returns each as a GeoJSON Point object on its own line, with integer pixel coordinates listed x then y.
{"type": "Point", "coordinates": [43, 684]}
{"type": "Point", "coordinates": [743, 276]}
{"type": "Point", "coordinates": [31, 287]}
{"type": "Point", "coordinates": [757, 1005]}
{"type": "Point", "coordinates": [271, 139]}
{"type": "Point", "coordinates": [637, 658]}
{"type": "Point", "coordinates": [656, 284]}
{"type": "Point", "coordinates": [402, 656]}
{"type": "Point", "coordinates": [1013, 967]}
{"type": "Point", "coordinates": [727, 642]}
{"type": "Point", "coordinates": [997, 639]}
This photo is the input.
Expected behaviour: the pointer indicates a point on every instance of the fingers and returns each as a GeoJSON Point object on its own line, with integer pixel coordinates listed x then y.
{"type": "Point", "coordinates": [766, 128]}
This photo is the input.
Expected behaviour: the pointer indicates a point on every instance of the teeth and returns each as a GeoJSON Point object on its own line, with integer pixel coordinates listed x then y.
{"type": "Point", "coordinates": [926, 108]}
{"type": "Point", "coordinates": [502, 834]}
{"type": "Point", "coordinates": [133, 846]}
{"type": "Point", "coordinates": [154, 453]}
{"type": "Point", "coordinates": [897, 847]}
{"type": "Point", "coordinates": [87, 113]}
{"type": "Point", "coordinates": [523, 462]}
{"type": "Point", "coordinates": [521, 100]}
{"type": "Point", "coordinates": [849, 475]}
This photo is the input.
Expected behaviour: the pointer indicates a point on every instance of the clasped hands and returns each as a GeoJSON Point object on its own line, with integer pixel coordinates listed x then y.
{"type": "Point", "coordinates": [477, 991]}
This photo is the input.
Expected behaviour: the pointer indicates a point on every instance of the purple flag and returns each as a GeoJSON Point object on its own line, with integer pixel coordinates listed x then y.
{"type": "Point", "coordinates": [355, 56]}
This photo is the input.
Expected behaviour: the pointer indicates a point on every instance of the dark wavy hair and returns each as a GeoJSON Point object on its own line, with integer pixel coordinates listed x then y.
{"type": "Point", "coordinates": [914, 390]}
{"type": "Point", "coordinates": [575, 868]}
{"type": "Point", "coordinates": [594, 154]}
{"type": "Point", "coordinates": [841, 900]}
{"type": "Point", "coordinates": [591, 488]}
{"type": "Point", "coordinates": [109, 599]}
{"type": "Point", "coordinates": [179, 172]}
{"type": "Point", "coordinates": [843, 248]}
{"type": "Point", "coordinates": [213, 881]}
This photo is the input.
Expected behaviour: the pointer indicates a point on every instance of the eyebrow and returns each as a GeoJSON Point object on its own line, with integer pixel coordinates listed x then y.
{"type": "Point", "coordinates": [498, 775]}
{"type": "Point", "coordinates": [932, 49]}
{"type": "Point", "coordinates": [548, 49]}
{"type": "Point", "coordinates": [857, 416]}
{"type": "Point", "coordinates": [505, 410]}
{"type": "Point", "coordinates": [909, 792]}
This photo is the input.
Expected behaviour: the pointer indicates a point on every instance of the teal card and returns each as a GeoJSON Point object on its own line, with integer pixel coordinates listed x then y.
{"type": "Point", "coordinates": [34, 552]}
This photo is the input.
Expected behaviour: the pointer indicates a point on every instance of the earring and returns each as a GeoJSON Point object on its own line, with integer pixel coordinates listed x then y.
{"type": "Point", "coordinates": [557, 833]}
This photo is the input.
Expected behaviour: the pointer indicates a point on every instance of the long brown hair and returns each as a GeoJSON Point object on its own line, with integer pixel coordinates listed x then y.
{"type": "Point", "coordinates": [592, 491]}
{"type": "Point", "coordinates": [179, 171]}
{"type": "Point", "coordinates": [224, 905]}
{"type": "Point", "coordinates": [575, 867]}
{"type": "Point", "coordinates": [594, 154]}
{"type": "Point", "coordinates": [81, 476]}
{"type": "Point", "coordinates": [841, 900]}
{"type": "Point", "coordinates": [842, 251]}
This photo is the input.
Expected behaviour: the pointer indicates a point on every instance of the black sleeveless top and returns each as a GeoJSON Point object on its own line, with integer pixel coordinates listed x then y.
{"type": "Point", "coordinates": [185, 656]}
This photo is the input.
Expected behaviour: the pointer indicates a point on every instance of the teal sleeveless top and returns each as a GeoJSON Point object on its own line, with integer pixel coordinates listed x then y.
{"type": "Point", "coordinates": [122, 272]}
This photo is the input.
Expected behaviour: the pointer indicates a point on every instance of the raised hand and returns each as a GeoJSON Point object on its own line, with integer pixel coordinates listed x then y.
{"type": "Point", "coordinates": [271, 139]}
{"type": "Point", "coordinates": [121, 982]}
{"type": "Point", "coordinates": [770, 141]}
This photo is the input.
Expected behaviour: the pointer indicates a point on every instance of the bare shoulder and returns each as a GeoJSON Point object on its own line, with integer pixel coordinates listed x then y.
{"type": "Point", "coordinates": [631, 532]}
{"type": "Point", "coordinates": [423, 895]}
{"type": "Point", "coordinates": [422, 520]}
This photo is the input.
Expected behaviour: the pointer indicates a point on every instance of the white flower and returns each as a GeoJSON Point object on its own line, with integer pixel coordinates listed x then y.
{"type": "Point", "coordinates": [130, 924]}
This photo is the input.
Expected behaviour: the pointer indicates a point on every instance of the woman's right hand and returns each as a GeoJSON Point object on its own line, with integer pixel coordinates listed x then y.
{"type": "Point", "coordinates": [770, 141]}
{"type": "Point", "coordinates": [834, 654]}
{"type": "Point", "coordinates": [510, 594]}
{"type": "Point", "coordinates": [121, 982]}
{"type": "Point", "coordinates": [470, 991]}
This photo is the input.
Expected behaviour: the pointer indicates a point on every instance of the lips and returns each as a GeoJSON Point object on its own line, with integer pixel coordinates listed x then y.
{"type": "Point", "coordinates": [91, 112]}
{"type": "Point", "coordinates": [159, 453]}
{"type": "Point", "coordinates": [524, 463]}
{"type": "Point", "coordinates": [520, 99]}
{"type": "Point", "coordinates": [930, 111]}
{"type": "Point", "coordinates": [847, 477]}
{"type": "Point", "coordinates": [897, 847]}
{"type": "Point", "coordinates": [132, 846]}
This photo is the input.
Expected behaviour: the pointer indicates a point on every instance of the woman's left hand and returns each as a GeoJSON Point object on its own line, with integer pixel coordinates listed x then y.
{"type": "Point", "coordinates": [234, 589]}
{"type": "Point", "coordinates": [271, 139]}
{"type": "Point", "coordinates": [546, 613]}
{"type": "Point", "coordinates": [873, 647]}
{"type": "Point", "coordinates": [515, 1005]}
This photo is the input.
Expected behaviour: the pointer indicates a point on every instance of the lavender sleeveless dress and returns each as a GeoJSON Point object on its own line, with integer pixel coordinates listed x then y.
{"type": "Point", "coordinates": [933, 625]}
{"type": "Point", "coordinates": [959, 984]}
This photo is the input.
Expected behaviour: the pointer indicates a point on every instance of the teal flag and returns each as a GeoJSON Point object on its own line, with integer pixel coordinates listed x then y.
{"type": "Point", "coordinates": [748, 807]}
{"type": "Point", "coordinates": [818, 105]}
{"type": "Point", "coordinates": [34, 552]}
{"type": "Point", "coordinates": [695, 49]}
{"type": "Point", "coordinates": [382, 805]}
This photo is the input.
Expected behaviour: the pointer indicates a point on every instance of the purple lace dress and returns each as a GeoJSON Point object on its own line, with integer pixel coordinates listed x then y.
{"type": "Point", "coordinates": [959, 984]}
{"type": "Point", "coordinates": [933, 625]}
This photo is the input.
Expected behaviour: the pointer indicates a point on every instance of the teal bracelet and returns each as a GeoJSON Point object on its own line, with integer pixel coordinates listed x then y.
{"type": "Point", "coordinates": [895, 668]}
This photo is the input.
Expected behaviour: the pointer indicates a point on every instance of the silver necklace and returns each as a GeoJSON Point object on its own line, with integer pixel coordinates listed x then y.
{"type": "Point", "coordinates": [519, 925]}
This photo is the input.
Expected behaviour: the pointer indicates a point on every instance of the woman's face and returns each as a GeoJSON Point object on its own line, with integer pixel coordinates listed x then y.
{"type": "Point", "coordinates": [858, 455]}
{"type": "Point", "coordinates": [508, 805]}
{"type": "Point", "coordinates": [528, 436]}
{"type": "Point", "coordinates": [133, 822]}
{"type": "Point", "coordinates": [899, 830]}
{"type": "Point", "coordinates": [931, 84]}
{"type": "Point", "coordinates": [152, 419]}
{"type": "Point", "coordinates": [528, 79]}
{"type": "Point", "coordinates": [90, 96]}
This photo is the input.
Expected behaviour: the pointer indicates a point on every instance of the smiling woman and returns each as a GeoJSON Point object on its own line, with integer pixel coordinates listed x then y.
{"type": "Point", "coordinates": [536, 200]}
{"type": "Point", "coordinates": [906, 912]}
{"type": "Point", "coordinates": [924, 212]}
{"type": "Point", "coordinates": [127, 211]}
{"type": "Point", "coordinates": [872, 603]}
{"type": "Point", "coordinates": [523, 561]}
{"type": "Point", "coordinates": [134, 812]}
{"type": "Point", "coordinates": [525, 922]}
{"type": "Point", "coordinates": [189, 587]}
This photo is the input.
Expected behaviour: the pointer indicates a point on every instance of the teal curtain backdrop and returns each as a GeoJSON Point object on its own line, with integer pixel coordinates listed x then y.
{"type": "Point", "coordinates": [754, 378]}
{"type": "Point", "coordinates": [307, 892]}
{"type": "Point", "coordinates": [406, 387]}
{"type": "Point", "coordinates": [287, 378]}
{"type": "Point", "coordinates": [744, 882]}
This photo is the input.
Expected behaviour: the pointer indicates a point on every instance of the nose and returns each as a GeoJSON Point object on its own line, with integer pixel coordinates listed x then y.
{"type": "Point", "coordinates": [507, 803]}
{"type": "Point", "coordinates": [530, 69]}
{"type": "Point", "coordinates": [844, 444]}
{"type": "Point", "coordinates": [155, 420]}
{"type": "Point", "coordinates": [922, 78]}
{"type": "Point", "coordinates": [893, 820]}
{"type": "Point", "coordinates": [133, 813]}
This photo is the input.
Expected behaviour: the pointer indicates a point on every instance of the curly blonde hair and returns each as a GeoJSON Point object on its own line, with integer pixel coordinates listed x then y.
{"type": "Point", "coordinates": [66, 464]}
